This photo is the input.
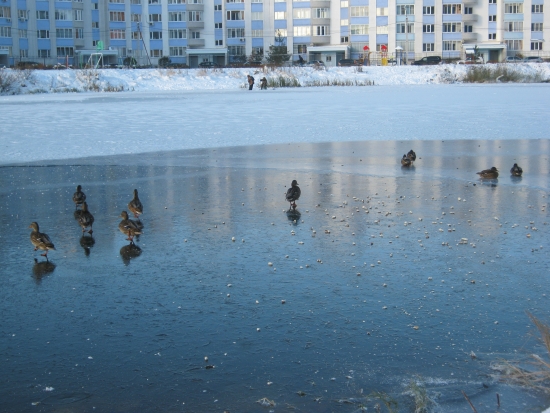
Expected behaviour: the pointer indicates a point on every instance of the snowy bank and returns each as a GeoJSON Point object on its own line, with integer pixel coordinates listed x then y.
{"type": "Point", "coordinates": [15, 82]}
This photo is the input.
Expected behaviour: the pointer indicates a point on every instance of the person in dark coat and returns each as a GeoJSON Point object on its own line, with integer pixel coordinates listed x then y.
{"type": "Point", "coordinates": [263, 83]}
{"type": "Point", "coordinates": [250, 82]}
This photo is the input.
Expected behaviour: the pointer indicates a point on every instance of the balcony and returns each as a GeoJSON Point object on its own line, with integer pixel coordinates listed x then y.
{"type": "Point", "coordinates": [320, 40]}
{"type": "Point", "coordinates": [469, 37]}
{"type": "Point", "coordinates": [468, 18]}
{"type": "Point", "coordinates": [319, 3]}
{"type": "Point", "coordinates": [195, 25]}
{"type": "Point", "coordinates": [470, 2]}
{"type": "Point", "coordinates": [320, 22]}
{"type": "Point", "coordinates": [195, 43]}
{"type": "Point", "coordinates": [195, 7]}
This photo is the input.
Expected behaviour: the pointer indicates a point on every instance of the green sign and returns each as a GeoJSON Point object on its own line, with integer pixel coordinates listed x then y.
{"type": "Point", "coordinates": [99, 45]}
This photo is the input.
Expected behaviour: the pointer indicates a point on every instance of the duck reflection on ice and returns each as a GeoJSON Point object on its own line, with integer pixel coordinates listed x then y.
{"type": "Point", "coordinates": [128, 252]}
{"type": "Point", "coordinates": [40, 269]}
{"type": "Point", "coordinates": [87, 242]}
{"type": "Point", "coordinates": [294, 216]}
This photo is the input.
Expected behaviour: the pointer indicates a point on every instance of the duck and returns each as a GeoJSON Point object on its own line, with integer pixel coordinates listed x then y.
{"type": "Point", "coordinates": [85, 218]}
{"type": "Point", "coordinates": [135, 205]}
{"type": "Point", "coordinates": [516, 170]}
{"type": "Point", "coordinates": [411, 155]}
{"type": "Point", "coordinates": [79, 197]}
{"type": "Point", "coordinates": [406, 161]}
{"type": "Point", "coordinates": [488, 173]}
{"type": "Point", "coordinates": [128, 227]}
{"type": "Point", "coordinates": [293, 194]}
{"type": "Point", "coordinates": [40, 240]}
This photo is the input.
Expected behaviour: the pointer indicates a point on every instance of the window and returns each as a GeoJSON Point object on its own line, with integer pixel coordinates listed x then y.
{"type": "Point", "coordinates": [22, 14]}
{"type": "Point", "coordinates": [428, 28]}
{"type": "Point", "coordinates": [234, 1]}
{"type": "Point", "coordinates": [257, 33]}
{"type": "Point", "coordinates": [22, 34]}
{"type": "Point", "coordinates": [63, 14]}
{"type": "Point", "coordinates": [218, 42]}
{"type": "Point", "coordinates": [156, 17]}
{"type": "Point", "coordinates": [381, 11]}
{"type": "Point", "coordinates": [64, 51]}
{"type": "Point", "coordinates": [195, 35]}
{"type": "Point", "coordinates": [5, 12]}
{"type": "Point", "coordinates": [155, 35]}
{"type": "Point", "coordinates": [321, 30]}
{"type": "Point", "coordinates": [359, 29]}
{"type": "Point", "coordinates": [536, 27]}
{"type": "Point", "coordinates": [236, 50]}
{"type": "Point", "coordinates": [280, 15]}
{"type": "Point", "coordinates": [5, 31]}
{"type": "Point", "coordinates": [135, 1]}
{"type": "Point", "coordinates": [344, 39]}
{"type": "Point", "coordinates": [321, 13]}
{"type": "Point", "coordinates": [136, 35]}
{"type": "Point", "coordinates": [154, 1]}
{"type": "Point", "coordinates": [23, 52]}
{"type": "Point", "coordinates": [452, 27]}
{"type": "Point", "coordinates": [359, 11]}
{"type": "Point", "coordinates": [156, 52]}
{"type": "Point", "coordinates": [114, 1]}
{"type": "Point", "coordinates": [408, 46]}
{"type": "Point", "coordinates": [299, 48]}
{"type": "Point", "coordinates": [95, 25]}
{"type": "Point", "coordinates": [301, 13]}
{"type": "Point", "coordinates": [43, 52]}
{"type": "Point", "coordinates": [135, 17]}
{"type": "Point", "coordinates": [344, 3]}
{"type": "Point", "coordinates": [176, 16]}
{"type": "Point", "coordinates": [379, 47]}
{"type": "Point", "coordinates": [177, 34]}
{"type": "Point", "coordinates": [513, 26]}
{"type": "Point", "coordinates": [452, 9]}
{"type": "Point", "coordinates": [177, 51]}
{"type": "Point", "coordinates": [344, 22]}
{"type": "Point", "coordinates": [217, 7]}
{"type": "Point", "coordinates": [79, 33]}
{"type": "Point", "coordinates": [493, 18]}
{"type": "Point", "coordinates": [170, 2]}
{"type": "Point", "coordinates": [233, 33]}
{"type": "Point", "coordinates": [452, 45]}
{"type": "Point", "coordinates": [42, 34]}
{"type": "Point", "coordinates": [400, 28]}
{"type": "Point", "coordinates": [428, 10]}
{"type": "Point", "coordinates": [117, 34]}
{"type": "Point", "coordinates": [405, 9]}
{"type": "Point", "coordinates": [468, 10]}
{"type": "Point", "coordinates": [77, 15]}
{"type": "Point", "coordinates": [257, 15]}
{"type": "Point", "coordinates": [492, 36]}
{"type": "Point", "coordinates": [235, 15]}
{"type": "Point", "coordinates": [302, 30]}
{"type": "Point", "coordinates": [195, 16]}
{"type": "Point", "coordinates": [258, 51]}
{"type": "Point", "coordinates": [116, 16]}
{"type": "Point", "coordinates": [514, 44]}
{"type": "Point", "coordinates": [537, 8]}
{"type": "Point", "coordinates": [536, 45]}
{"type": "Point", "coordinates": [468, 28]}
{"type": "Point", "coordinates": [40, 14]}
{"type": "Point", "coordinates": [513, 8]}
{"type": "Point", "coordinates": [64, 33]}
{"type": "Point", "coordinates": [257, 1]}
{"type": "Point", "coordinates": [280, 33]}
{"type": "Point", "coordinates": [492, 1]}
{"type": "Point", "coordinates": [218, 25]}
{"type": "Point", "coordinates": [381, 29]}
{"type": "Point", "coordinates": [194, 1]}
{"type": "Point", "coordinates": [428, 47]}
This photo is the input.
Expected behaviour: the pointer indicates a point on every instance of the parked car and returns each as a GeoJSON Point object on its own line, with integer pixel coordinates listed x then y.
{"type": "Point", "coordinates": [253, 63]}
{"type": "Point", "coordinates": [28, 65]}
{"type": "Point", "coordinates": [208, 65]}
{"type": "Point", "coordinates": [471, 60]}
{"type": "Point", "coordinates": [177, 66]}
{"type": "Point", "coordinates": [513, 59]}
{"type": "Point", "coordinates": [429, 60]}
{"type": "Point", "coordinates": [347, 62]}
{"type": "Point", "coordinates": [533, 59]}
{"type": "Point", "coordinates": [315, 63]}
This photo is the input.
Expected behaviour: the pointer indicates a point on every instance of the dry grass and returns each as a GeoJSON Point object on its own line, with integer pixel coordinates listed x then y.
{"type": "Point", "coordinates": [422, 401]}
{"type": "Point", "coordinates": [500, 73]}
{"type": "Point", "coordinates": [537, 374]}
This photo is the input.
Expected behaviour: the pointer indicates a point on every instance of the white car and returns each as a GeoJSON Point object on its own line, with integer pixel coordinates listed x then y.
{"type": "Point", "coordinates": [533, 59]}
{"type": "Point", "coordinates": [471, 61]}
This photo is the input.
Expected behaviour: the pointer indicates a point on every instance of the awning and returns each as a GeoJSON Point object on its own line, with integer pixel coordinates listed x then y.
{"type": "Point", "coordinates": [217, 51]}
{"type": "Point", "coordinates": [320, 49]}
{"type": "Point", "coordinates": [484, 46]}
{"type": "Point", "coordinates": [470, 51]}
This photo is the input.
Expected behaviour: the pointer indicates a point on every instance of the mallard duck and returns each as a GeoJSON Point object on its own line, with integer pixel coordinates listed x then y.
{"type": "Point", "coordinates": [40, 240]}
{"type": "Point", "coordinates": [128, 227]}
{"type": "Point", "coordinates": [405, 161]}
{"type": "Point", "coordinates": [293, 194]}
{"type": "Point", "coordinates": [78, 197]}
{"type": "Point", "coordinates": [411, 155]}
{"type": "Point", "coordinates": [516, 170]}
{"type": "Point", "coordinates": [85, 218]}
{"type": "Point", "coordinates": [135, 205]}
{"type": "Point", "coordinates": [488, 173]}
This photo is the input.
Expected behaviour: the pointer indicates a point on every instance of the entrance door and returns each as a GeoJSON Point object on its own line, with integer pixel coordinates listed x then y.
{"type": "Point", "coordinates": [193, 61]}
{"type": "Point", "coordinates": [493, 55]}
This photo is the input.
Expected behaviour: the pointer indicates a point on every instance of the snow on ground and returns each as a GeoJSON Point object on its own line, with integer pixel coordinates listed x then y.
{"type": "Point", "coordinates": [55, 81]}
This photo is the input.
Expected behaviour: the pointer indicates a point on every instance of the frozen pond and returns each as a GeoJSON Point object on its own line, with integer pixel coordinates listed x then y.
{"type": "Point", "coordinates": [371, 287]}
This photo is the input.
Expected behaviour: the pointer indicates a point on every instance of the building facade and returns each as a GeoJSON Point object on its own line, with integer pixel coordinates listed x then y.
{"type": "Point", "coordinates": [225, 31]}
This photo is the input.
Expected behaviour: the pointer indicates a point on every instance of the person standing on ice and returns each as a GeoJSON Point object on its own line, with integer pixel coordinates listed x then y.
{"type": "Point", "coordinates": [250, 82]}
{"type": "Point", "coordinates": [263, 83]}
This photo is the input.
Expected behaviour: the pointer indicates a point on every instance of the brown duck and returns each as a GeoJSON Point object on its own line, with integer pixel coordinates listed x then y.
{"type": "Point", "coordinates": [40, 240]}
{"type": "Point", "coordinates": [488, 173]}
{"type": "Point", "coordinates": [135, 205]}
{"type": "Point", "coordinates": [85, 218]}
{"type": "Point", "coordinates": [79, 197]}
{"type": "Point", "coordinates": [128, 227]}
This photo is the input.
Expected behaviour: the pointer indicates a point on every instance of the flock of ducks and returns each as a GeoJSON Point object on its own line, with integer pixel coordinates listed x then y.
{"type": "Point", "coordinates": [408, 160]}
{"type": "Point", "coordinates": [132, 228]}
{"type": "Point", "coordinates": [85, 219]}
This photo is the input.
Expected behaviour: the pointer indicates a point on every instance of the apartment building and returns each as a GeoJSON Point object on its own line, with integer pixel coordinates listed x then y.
{"type": "Point", "coordinates": [224, 31]}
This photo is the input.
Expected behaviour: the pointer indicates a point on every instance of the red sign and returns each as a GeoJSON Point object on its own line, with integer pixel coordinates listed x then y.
{"type": "Point", "coordinates": [365, 47]}
{"type": "Point", "coordinates": [384, 47]}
